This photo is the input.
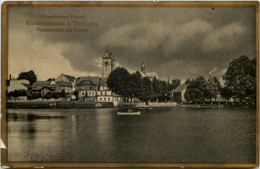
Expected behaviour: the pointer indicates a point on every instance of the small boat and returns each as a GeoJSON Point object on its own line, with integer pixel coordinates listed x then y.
{"type": "Point", "coordinates": [130, 112]}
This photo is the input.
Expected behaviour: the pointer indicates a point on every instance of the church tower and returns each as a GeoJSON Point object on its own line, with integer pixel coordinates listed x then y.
{"type": "Point", "coordinates": [143, 68]}
{"type": "Point", "coordinates": [108, 64]}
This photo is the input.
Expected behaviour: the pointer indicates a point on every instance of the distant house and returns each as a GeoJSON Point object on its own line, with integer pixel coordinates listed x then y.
{"type": "Point", "coordinates": [104, 94]}
{"type": "Point", "coordinates": [67, 78]}
{"type": "Point", "coordinates": [43, 87]}
{"type": "Point", "coordinates": [63, 85]}
{"type": "Point", "coordinates": [117, 99]}
{"type": "Point", "coordinates": [87, 88]}
{"type": "Point", "coordinates": [178, 93]}
{"type": "Point", "coordinates": [15, 84]}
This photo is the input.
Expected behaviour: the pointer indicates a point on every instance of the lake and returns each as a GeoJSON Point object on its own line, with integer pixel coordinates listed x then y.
{"type": "Point", "coordinates": [175, 134]}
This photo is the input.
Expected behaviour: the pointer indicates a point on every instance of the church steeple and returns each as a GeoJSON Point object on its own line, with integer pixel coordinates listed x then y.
{"type": "Point", "coordinates": [108, 63]}
{"type": "Point", "coordinates": [143, 67]}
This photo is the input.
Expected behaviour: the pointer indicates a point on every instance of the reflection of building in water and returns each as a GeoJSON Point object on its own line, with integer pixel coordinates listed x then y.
{"type": "Point", "coordinates": [150, 75]}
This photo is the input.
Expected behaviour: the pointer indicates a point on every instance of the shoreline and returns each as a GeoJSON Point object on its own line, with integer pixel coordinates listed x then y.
{"type": "Point", "coordinates": [85, 105]}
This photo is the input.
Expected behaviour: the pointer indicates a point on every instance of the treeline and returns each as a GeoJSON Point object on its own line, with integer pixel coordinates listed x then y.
{"type": "Point", "coordinates": [30, 95]}
{"type": "Point", "coordinates": [240, 83]}
{"type": "Point", "coordinates": [121, 82]}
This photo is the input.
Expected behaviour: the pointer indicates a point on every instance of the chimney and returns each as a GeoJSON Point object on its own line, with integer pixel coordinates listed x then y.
{"type": "Point", "coordinates": [10, 77]}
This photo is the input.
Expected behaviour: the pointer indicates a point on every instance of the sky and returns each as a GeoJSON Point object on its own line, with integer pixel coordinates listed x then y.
{"type": "Point", "coordinates": [178, 43]}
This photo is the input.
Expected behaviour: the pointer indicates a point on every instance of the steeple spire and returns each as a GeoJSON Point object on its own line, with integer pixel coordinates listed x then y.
{"type": "Point", "coordinates": [143, 67]}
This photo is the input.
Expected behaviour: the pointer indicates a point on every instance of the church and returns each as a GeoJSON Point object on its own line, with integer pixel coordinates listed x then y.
{"type": "Point", "coordinates": [108, 64]}
{"type": "Point", "coordinates": [150, 75]}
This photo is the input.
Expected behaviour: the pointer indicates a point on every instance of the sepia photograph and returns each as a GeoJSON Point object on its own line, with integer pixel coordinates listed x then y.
{"type": "Point", "coordinates": [130, 84]}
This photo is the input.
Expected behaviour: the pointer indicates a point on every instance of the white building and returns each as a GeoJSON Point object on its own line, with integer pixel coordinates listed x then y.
{"type": "Point", "coordinates": [15, 84]}
{"type": "Point", "coordinates": [104, 94]}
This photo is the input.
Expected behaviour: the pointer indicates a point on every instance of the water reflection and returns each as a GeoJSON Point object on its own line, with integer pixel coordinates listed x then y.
{"type": "Point", "coordinates": [30, 117]}
{"type": "Point", "coordinates": [157, 135]}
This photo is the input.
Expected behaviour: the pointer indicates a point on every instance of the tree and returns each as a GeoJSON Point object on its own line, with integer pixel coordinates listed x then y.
{"type": "Point", "coordinates": [187, 81]}
{"type": "Point", "coordinates": [197, 90]}
{"type": "Point", "coordinates": [241, 77]}
{"type": "Point", "coordinates": [17, 93]}
{"type": "Point", "coordinates": [49, 95]}
{"type": "Point", "coordinates": [214, 87]}
{"type": "Point", "coordinates": [118, 81]}
{"type": "Point", "coordinates": [30, 76]}
{"type": "Point", "coordinates": [135, 84]}
{"type": "Point", "coordinates": [175, 83]}
{"type": "Point", "coordinates": [227, 93]}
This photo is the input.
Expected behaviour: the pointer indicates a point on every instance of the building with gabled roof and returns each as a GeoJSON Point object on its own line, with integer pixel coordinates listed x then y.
{"type": "Point", "coordinates": [15, 84]}
{"type": "Point", "coordinates": [178, 93]}
{"type": "Point", "coordinates": [150, 75]}
{"type": "Point", "coordinates": [64, 85]}
{"type": "Point", "coordinates": [43, 87]}
{"type": "Point", "coordinates": [104, 94]}
{"type": "Point", "coordinates": [87, 87]}
{"type": "Point", "coordinates": [66, 79]}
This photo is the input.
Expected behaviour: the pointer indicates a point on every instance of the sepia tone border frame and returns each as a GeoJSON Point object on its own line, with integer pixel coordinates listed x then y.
{"type": "Point", "coordinates": [4, 77]}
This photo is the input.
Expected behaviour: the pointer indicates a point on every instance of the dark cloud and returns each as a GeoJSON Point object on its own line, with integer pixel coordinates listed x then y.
{"type": "Point", "coordinates": [174, 42]}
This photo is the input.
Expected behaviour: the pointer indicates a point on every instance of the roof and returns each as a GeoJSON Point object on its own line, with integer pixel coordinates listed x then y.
{"type": "Point", "coordinates": [180, 88]}
{"type": "Point", "coordinates": [63, 83]}
{"type": "Point", "coordinates": [93, 79]}
{"type": "Point", "coordinates": [151, 74]}
{"type": "Point", "coordinates": [108, 55]}
{"type": "Point", "coordinates": [42, 83]}
{"type": "Point", "coordinates": [70, 78]}
{"type": "Point", "coordinates": [103, 82]}
{"type": "Point", "coordinates": [50, 87]}
{"type": "Point", "coordinates": [142, 74]}
{"type": "Point", "coordinates": [27, 85]}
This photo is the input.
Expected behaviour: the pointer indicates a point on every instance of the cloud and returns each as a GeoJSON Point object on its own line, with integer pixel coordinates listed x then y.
{"type": "Point", "coordinates": [82, 57]}
{"type": "Point", "coordinates": [37, 55]}
{"type": "Point", "coordinates": [224, 37]}
{"type": "Point", "coordinates": [175, 42]}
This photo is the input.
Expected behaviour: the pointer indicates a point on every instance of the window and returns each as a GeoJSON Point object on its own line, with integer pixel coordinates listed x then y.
{"type": "Point", "coordinates": [104, 99]}
{"type": "Point", "coordinates": [93, 93]}
{"type": "Point", "coordinates": [100, 98]}
{"type": "Point", "coordinates": [108, 99]}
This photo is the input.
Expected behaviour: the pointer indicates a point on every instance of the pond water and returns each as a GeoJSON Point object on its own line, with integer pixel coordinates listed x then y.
{"type": "Point", "coordinates": [173, 134]}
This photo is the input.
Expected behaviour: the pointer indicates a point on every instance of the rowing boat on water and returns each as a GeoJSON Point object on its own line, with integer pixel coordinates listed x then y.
{"type": "Point", "coordinates": [129, 113]}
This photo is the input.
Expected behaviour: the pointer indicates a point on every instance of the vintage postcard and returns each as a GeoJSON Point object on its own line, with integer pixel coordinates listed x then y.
{"type": "Point", "coordinates": [130, 84]}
